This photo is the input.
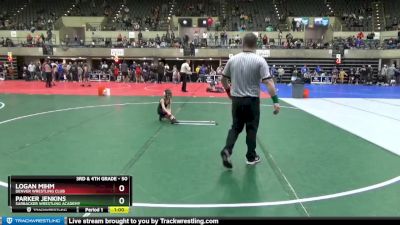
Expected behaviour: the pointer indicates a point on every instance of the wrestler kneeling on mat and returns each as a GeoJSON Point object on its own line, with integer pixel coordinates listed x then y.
{"type": "Point", "coordinates": [164, 109]}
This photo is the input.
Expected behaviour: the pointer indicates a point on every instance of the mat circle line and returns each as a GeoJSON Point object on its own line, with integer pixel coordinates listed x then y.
{"type": "Point", "coordinates": [228, 205]}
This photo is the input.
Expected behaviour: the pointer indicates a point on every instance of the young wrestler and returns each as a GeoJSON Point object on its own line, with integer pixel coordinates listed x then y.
{"type": "Point", "coordinates": [164, 109]}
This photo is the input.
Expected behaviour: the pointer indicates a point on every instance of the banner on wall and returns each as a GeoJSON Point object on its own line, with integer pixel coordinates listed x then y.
{"type": "Point", "coordinates": [263, 53]}
{"type": "Point", "coordinates": [117, 52]}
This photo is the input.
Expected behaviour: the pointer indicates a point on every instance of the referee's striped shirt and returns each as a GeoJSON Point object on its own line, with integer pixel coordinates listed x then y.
{"type": "Point", "coordinates": [245, 71]}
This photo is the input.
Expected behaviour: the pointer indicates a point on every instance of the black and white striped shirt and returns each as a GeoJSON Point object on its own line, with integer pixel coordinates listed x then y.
{"type": "Point", "coordinates": [245, 71]}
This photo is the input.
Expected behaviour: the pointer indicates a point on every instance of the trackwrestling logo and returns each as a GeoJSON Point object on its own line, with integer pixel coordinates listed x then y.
{"type": "Point", "coordinates": [9, 220]}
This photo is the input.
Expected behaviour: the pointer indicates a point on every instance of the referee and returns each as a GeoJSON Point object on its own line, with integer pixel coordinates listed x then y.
{"type": "Point", "coordinates": [245, 71]}
{"type": "Point", "coordinates": [185, 71]}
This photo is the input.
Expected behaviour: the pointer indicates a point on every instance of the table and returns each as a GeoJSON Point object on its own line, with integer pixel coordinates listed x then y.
{"type": "Point", "coordinates": [99, 76]}
{"type": "Point", "coordinates": [210, 78]}
{"type": "Point", "coordinates": [321, 79]}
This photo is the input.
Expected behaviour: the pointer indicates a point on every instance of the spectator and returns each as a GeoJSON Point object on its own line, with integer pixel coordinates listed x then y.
{"type": "Point", "coordinates": [304, 70]}
{"type": "Point", "coordinates": [391, 73]}
{"type": "Point", "coordinates": [138, 74]}
{"type": "Point", "coordinates": [342, 75]}
{"type": "Point", "coordinates": [293, 25]}
{"type": "Point", "coordinates": [205, 38]}
{"type": "Point", "coordinates": [360, 35]}
{"type": "Point", "coordinates": [384, 74]}
{"type": "Point", "coordinates": [265, 40]}
{"type": "Point", "coordinates": [280, 37]}
{"type": "Point", "coordinates": [335, 74]}
{"type": "Point", "coordinates": [210, 22]}
{"type": "Point", "coordinates": [31, 70]}
{"type": "Point", "coordinates": [281, 72]}
{"type": "Point", "coordinates": [175, 75]}
{"type": "Point", "coordinates": [29, 39]}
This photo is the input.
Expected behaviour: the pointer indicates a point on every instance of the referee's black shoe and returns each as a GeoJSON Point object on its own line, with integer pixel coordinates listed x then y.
{"type": "Point", "coordinates": [226, 161]}
{"type": "Point", "coordinates": [256, 160]}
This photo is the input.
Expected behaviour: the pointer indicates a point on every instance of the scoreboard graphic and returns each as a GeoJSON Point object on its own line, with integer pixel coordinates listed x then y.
{"type": "Point", "coordinates": [70, 194]}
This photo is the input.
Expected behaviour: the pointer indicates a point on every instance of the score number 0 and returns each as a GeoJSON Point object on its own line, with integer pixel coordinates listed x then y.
{"type": "Point", "coordinates": [121, 188]}
{"type": "Point", "coordinates": [121, 200]}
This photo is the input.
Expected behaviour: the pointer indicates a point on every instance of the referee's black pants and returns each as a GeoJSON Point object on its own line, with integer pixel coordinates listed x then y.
{"type": "Point", "coordinates": [245, 111]}
{"type": "Point", "coordinates": [184, 79]}
{"type": "Point", "coordinates": [49, 79]}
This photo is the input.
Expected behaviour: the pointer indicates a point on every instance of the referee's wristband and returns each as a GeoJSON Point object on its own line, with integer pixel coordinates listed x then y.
{"type": "Point", "coordinates": [275, 99]}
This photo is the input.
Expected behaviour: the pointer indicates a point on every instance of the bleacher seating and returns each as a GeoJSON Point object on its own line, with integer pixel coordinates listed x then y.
{"type": "Point", "coordinates": [198, 8]}
{"type": "Point", "coordinates": [359, 8]}
{"type": "Point", "coordinates": [255, 15]}
{"type": "Point", "coordinates": [392, 9]}
{"type": "Point", "coordinates": [306, 8]}
{"type": "Point", "coordinates": [256, 12]}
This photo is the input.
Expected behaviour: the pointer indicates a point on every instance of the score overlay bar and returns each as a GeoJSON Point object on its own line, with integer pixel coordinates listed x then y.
{"type": "Point", "coordinates": [68, 193]}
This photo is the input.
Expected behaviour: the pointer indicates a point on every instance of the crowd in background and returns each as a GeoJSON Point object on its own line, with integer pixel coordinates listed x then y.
{"type": "Point", "coordinates": [122, 71]}
{"type": "Point", "coordinates": [363, 74]}
{"type": "Point", "coordinates": [161, 71]}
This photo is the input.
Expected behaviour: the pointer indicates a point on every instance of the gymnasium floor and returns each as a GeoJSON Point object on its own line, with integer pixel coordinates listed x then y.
{"type": "Point", "coordinates": [334, 154]}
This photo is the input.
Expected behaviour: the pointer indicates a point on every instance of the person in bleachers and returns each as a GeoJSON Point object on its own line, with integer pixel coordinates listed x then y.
{"type": "Point", "coordinates": [192, 48]}
{"type": "Point", "coordinates": [293, 25]}
{"type": "Point", "coordinates": [289, 38]}
{"type": "Point", "coordinates": [280, 37]}
{"type": "Point", "coordinates": [210, 22]}
{"type": "Point", "coordinates": [140, 35]}
{"type": "Point", "coordinates": [157, 40]}
{"type": "Point", "coordinates": [29, 39]}
{"type": "Point", "coordinates": [360, 35]}
{"type": "Point", "coordinates": [205, 38]}
{"type": "Point", "coordinates": [298, 25]}
{"type": "Point", "coordinates": [172, 37]}
{"type": "Point", "coordinates": [216, 38]}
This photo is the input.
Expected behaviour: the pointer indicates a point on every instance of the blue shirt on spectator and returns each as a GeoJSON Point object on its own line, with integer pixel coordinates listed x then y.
{"type": "Point", "coordinates": [318, 69]}
{"type": "Point", "coordinates": [304, 70]}
{"type": "Point", "coordinates": [203, 70]}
